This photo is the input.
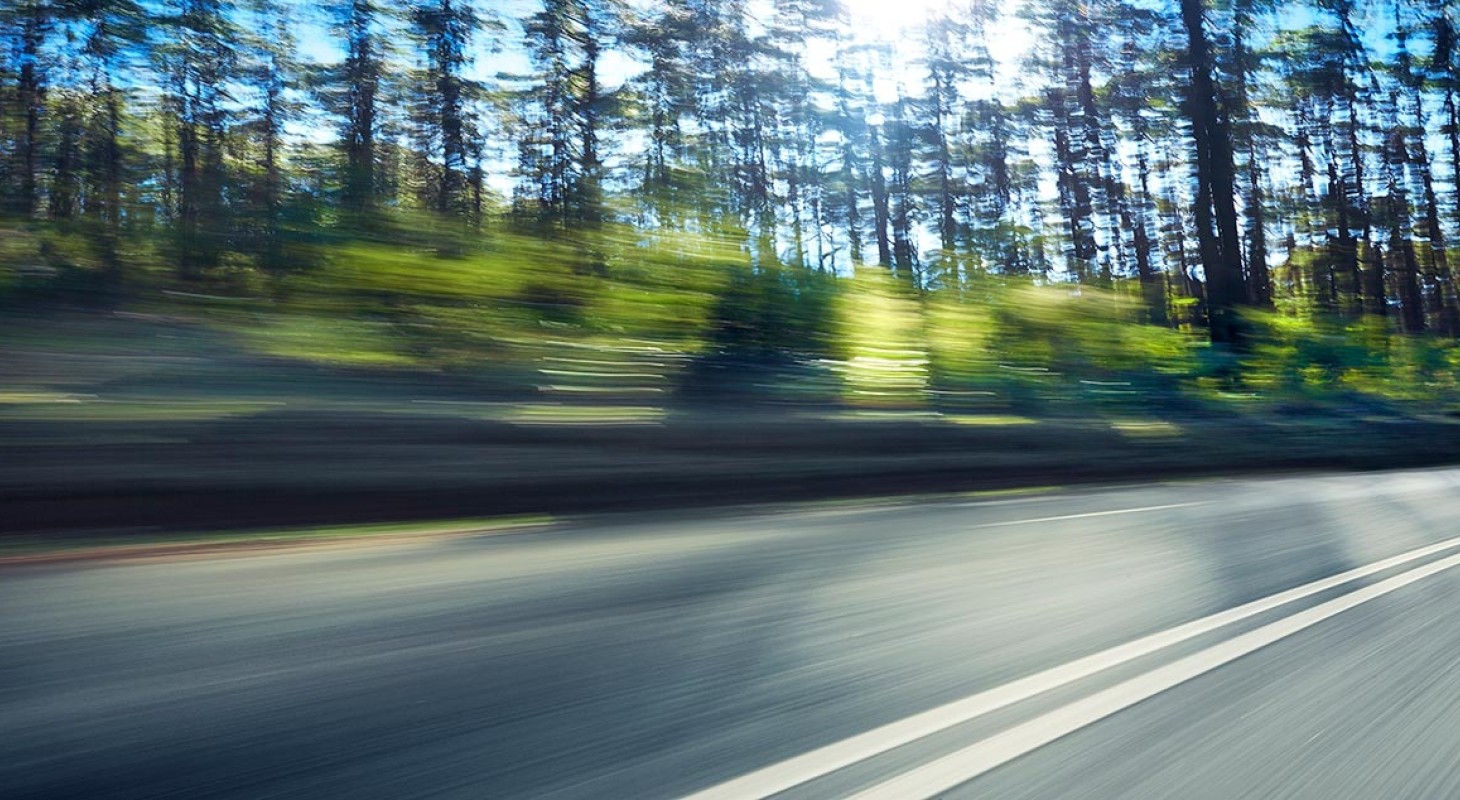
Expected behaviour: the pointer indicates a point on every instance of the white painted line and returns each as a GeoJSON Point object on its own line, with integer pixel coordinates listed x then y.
{"type": "Point", "coordinates": [1116, 512]}
{"type": "Point", "coordinates": [970, 762]}
{"type": "Point", "coordinates": [824, 760]}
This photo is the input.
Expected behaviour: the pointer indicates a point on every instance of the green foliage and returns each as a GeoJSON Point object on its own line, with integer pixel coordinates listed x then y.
{"type": "Point", "coordinates": [1308, 359]}
{"type": "Point", "coordinates": [620, 313]}
{"type": "Point", "coordinates": [883, 341]}
{"type": "Point", "coordinates": [772, 313]}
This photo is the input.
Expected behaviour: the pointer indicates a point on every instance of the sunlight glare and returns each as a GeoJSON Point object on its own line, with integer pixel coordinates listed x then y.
{"type": "Point", "coordinates": [1008, 39]}
{"type": "Point", "coordinates": [888, 16]}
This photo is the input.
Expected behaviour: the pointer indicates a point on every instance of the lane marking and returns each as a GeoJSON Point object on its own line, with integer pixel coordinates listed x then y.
{"type": "Point", "coordinates": [958, 768]}
{"type": "Point", "coordinates": [1117, 511]}
{"type": "Point", "coordinates": [813, 764]}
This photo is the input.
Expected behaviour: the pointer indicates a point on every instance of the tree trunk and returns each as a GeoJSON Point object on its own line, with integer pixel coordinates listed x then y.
{"type": "Point", "coordinates": [881, 213]}
{"type": "Point", "coordinates": [1152, 289]}
{"type": "Point", "coordinates": [1443, 303]}
{"type": "Point", "coordinates": [30, 92]}
{"type": "Point", "coordinates": [111, 186]}
{"type": "Point", "coordinates": [1216, 206]}
{"type": "Point", "coordinates": [362, 78]}
{"type": "Point", "coordinates": [1258, 278]}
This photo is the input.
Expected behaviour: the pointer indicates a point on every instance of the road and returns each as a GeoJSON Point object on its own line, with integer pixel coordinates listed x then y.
{"type": "Point", "coordinates": [1286, 637]}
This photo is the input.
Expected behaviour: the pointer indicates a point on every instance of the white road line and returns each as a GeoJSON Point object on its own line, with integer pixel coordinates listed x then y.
{"type": "Point", "coordinates": [966, 764]}
{"type": "Point", "coordinates": [1117, 511]}
{"type": "Point", "coordinates": [824, 760]}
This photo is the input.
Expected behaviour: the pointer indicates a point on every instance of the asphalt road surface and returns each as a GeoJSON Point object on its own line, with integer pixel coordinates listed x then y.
{"type": "Point", "coordinates": [1264, 638]}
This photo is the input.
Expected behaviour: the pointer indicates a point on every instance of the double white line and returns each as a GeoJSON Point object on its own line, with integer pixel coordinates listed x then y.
{"type": "Point", "coordinates": [949, 771]}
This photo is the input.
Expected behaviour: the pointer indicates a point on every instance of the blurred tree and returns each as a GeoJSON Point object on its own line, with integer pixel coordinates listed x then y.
{"type": "Point", "coordinates": [667, 41]}
{"type": "Point", "coordinates": [904, 210]}
{"type": "Point", "coordinates": [1249, 145]}
{"type": "Point", "coordinates": [445, 30]}
{"type": "Point", "coordinates": [353, 90]}
{"type": "Point", "coordinates": [199, 59]}
{"type": "Point", "coordinates": [1074, 124]}
{"type": "Point", "coordinates": [559, 150]}
{"type": "Point", "coordinates": [1444, 69]}
{"type": "Point", "coordinates": [270, 70]}
{"type": "Point", "coordinates": [993, 137]}
{"type": "Point", "coordinates": [1215, 211]}
{"type": "Point", "coordinates": [949, 65]}
{"type": "Point", "coordinates": [1207, 165]}
{"type": "Point", "coordinates": [1139, 97]}
{"type": "Point", "coordinates": [27, 24]}
{"type": "Point", "coordinates": [1443, 299]}
{"type": "Point", "coordinates": [117, 35]}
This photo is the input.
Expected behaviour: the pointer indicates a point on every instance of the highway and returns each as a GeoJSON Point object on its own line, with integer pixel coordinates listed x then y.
{"type": "Point", "coordinates": [1269, 637]}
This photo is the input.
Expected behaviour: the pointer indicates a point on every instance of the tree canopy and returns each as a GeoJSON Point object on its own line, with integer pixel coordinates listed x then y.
{"type": "Point", "coordinates": [736, 162]}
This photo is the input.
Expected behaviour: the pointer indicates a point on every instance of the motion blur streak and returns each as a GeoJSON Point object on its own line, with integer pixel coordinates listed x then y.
{"type": "Point", "coordinates": [655, 656]}
{"type": "Point", "coordinates": [413, 275]}
{"type": "Point", "coordinates": [777, 778]}
{"type": "Point", "coordinates": [967, 764]}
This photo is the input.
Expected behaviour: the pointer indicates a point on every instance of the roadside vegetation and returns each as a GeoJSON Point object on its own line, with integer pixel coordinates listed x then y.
{"type": "Point", "coordinates": [444, 246]}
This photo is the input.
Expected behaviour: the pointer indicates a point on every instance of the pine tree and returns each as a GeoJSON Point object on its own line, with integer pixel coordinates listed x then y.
{"type": "Point", "coordinates": [27, 26]}
{"type": "Point", "coordinates": [560, 160]}
{"type": "Point", "coordinates": [948, 67]}
{"type": "Point", "coordinates": [199, 61]}
{"type": "Point", "coordinates": [1215, 209]}
{"type": "Point", "coordinates": [115, 36]}
{"type": "Point", "coordinates": [355, 93]}
{"type": "Point", "coordinates": [445, 30]}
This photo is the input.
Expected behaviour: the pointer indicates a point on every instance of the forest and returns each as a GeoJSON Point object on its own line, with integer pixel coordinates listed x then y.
{"type": "Point", "coordinates": [966, 205]}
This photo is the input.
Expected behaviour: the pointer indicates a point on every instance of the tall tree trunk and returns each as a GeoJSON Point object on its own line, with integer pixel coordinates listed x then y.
{"type": "Point", "coordinates": [1074, 191]}
{"type": "Point", "coordinates": [189, 190]}
{"type": "Point", "coordinates": [1444, 300]}
{"type": "Point", "coordinates": [1321, 279]}
{"type": "Point", "coordinates": [1258, 278]}
{"type": "Point", "coordinates": [362, 79]}
{"type": "Point", "coordinates": [273, 199]}
{"type": "Point", "coordinates": [1153, 291]}
{"type": "Point", "coordinates": [1441, 299]}
{"type": "Point", "coordinates": [852, 219]}
{"type": "Point", "coordinates": [1371, 277]}
{"type": "Point", "coordinates": [110, 156]}
{"type": "Point", "coordinates": [1344, 248]}
{"type": "Point", "coordinates": [65, 198]}
{"type": "Point", "coordinates": [590, 194]}
{"type": "Point", "coordinates": [451, 34]}
{"type": "Point", "coordinates": [904, 248]}
{"type": "Point", "coordinates": [30, 92]}
{"type": "Point", "coordinates": [1073, 151]}
{"type": "Point", "coordinates": [1216, 201]}
{"type": "Point", "coordinates": [947, 203]}
{"type": "Point", "coordinates": [1452, 116]}
{"type": "Point", "coordinates": [1097, 170]}
{"type": "Point", "coordinates": [881, 212]}
{"type": "Point", "coordinates": [1411, 297]}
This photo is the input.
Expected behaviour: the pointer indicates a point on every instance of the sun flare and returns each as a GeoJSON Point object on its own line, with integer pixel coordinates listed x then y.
{"type": "Point", "coordinates": [1007, 37]}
